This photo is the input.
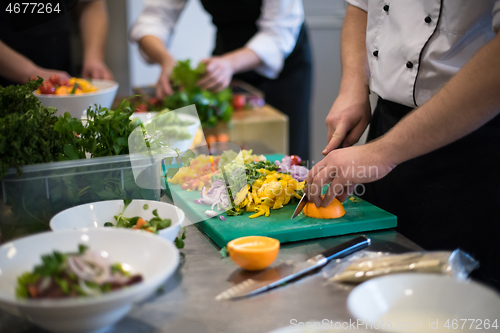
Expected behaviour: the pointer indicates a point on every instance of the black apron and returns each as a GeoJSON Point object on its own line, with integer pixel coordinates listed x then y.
{"type": "Point", "coordinates": [47, 45]}
{"type": "Point", "coordinates": [449, 198]}
{"type": "Point", "coordinates": [291, 91]}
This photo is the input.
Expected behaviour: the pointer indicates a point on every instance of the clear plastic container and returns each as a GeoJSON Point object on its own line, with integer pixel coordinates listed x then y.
{"type": "Point", "coordinates": [28, 202]}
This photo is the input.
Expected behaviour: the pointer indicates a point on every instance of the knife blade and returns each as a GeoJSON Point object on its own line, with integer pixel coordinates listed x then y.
{"type": "Point", "coordinates": [300, 206]}
{"type": "Point", "coordinates": [287, 271]}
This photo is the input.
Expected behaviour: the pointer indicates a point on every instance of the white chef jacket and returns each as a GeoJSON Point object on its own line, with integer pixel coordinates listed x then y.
{"type": "Point", "coordinates": [278, 29]}
{"type": "Point", "coordinates": [415, 46]}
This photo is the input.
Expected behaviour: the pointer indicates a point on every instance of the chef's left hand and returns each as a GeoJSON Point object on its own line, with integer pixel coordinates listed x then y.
{"type": "Point", "coordinates": [95, 69]}
{"type": "Point", "coordinates": [344, 168]}
{"type": "Point", "coordinates": [218, 75]}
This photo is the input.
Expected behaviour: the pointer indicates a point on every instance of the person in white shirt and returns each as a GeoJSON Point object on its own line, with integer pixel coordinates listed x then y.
{"type": "Point", "coordinates": [433, 150]}
{"type": "Point", "coordinates": [262, 42]}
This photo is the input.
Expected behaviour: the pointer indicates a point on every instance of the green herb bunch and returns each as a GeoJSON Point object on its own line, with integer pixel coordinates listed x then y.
{"type": "Point", "coordinates": [26, 129]}
{"type": "Point", "coordinates": [104, 134]}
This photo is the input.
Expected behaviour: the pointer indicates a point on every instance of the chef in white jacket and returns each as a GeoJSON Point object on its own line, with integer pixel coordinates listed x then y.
{"type": "Point", "coordinates": [433, 151]}
{"type": "Point", "coordinates": [262, 42]}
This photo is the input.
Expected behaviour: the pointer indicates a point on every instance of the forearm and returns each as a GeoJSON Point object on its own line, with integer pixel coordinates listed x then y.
{"type": "Point", "coordinates": [94, 28]}
{"type": "Point", "coordinates": [15, 66]}
{"type": "Point", "coordinates": [154, 48]}
{"type": "Point", "coordinates": [355, 69]}
{"type": "Point", "coordinates": [243, 60]}
{"type": "Point", "coordinates": [465, 103]}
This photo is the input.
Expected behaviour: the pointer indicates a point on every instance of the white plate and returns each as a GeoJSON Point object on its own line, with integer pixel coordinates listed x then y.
{"type": "Point", "coordinates": [76, 104]}
{"type": "Point", "coordinates": [153, 257]}
{"type": "Point", "coordinates": [405, 300]}
{"type": "Point", "coordinates": [94, 215]}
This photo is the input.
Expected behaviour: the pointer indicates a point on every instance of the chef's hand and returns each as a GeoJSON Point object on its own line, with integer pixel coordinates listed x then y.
{"type": "Point", "coordinates": [347, 120]}
{"type": "Point", "coordinates": [344, 168]}
{"type": "Point", "coordinates": [218, 75]}
{"type": "Point", "coordinates": [95, 69]}
{"type": "Point", "coordinates": [163, 86]}
{"type": "Point", "coordinates": [46, 73]}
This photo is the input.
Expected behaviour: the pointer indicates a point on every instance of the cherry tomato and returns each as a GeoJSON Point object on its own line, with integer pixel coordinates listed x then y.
{"type": "Point", "coordinates": [47, 88]}
{"type": "Point", "coordinates": [141, 108]}
{"type": "Point", "coordinates": [239, 101]}
{"type": "Point", "coordinates": [63, 82]}
{"type": "Point", "coordinates": [154, 101]}
{"type": "Point", "coordinates": [295, 160]}
{"type": "Point", "coordinates": [54, 79]}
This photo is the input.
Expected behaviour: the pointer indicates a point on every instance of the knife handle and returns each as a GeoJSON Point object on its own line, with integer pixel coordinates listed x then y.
{"type": "Point", "coordinates": [346, 248]}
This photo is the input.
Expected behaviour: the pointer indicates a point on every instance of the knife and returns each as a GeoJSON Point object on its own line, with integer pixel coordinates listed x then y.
{"type": "Point", "coordinates": [300, 206]}
{"type": "Point", "coordinates": [287, 271]}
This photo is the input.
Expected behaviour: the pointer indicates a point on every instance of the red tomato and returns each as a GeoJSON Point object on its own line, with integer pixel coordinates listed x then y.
{"type": "Point", "coordinates": [54, 79]}
{"type": "Point", "coordinates": [47, 88]}
{"type": "Point", "coordinates": [154, 101]}
{"type": "Point", "coordinates": [64, 82]}
{"type": "Point", "coordinates": [239, 101]}
{"type": "Point", "coordinates": [295, 160]}
{"type": "Point", "coordinates": [141, 108]}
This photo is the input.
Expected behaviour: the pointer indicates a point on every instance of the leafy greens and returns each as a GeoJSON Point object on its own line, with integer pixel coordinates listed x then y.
{"type": "Point", "coordinates": [212, 107]}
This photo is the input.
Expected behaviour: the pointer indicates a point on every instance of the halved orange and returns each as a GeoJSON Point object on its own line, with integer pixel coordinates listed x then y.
{"type": "Point", "coordinates": [333, 211]}
{"type": "Point", "coordinates": [253, 253]}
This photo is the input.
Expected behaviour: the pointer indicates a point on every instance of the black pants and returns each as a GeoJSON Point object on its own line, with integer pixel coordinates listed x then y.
{"type": "Point", "coordinates": [291, 93]}
{"type": "Point", "coordinates": [449, 198]}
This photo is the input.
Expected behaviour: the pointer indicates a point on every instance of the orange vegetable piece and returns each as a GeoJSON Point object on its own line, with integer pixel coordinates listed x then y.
{"type": "Point", "coordinates": [140, 222]}
{"type": "Point", "coordinates": [333, 211]}
{"type": "Point", "coordinates": [211, 138]}
{"type": "Point", "coordinates": [253, 253]}
{"type": "Point", "coordinates": [223, 137]}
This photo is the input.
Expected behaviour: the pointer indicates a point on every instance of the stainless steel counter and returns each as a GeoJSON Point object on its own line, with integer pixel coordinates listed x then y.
{"type": "Point", "coordinates": [188, 304]}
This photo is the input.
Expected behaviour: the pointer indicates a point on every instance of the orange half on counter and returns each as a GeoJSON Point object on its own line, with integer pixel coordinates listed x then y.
{"type": "Point", "coordinates": [253, 253]}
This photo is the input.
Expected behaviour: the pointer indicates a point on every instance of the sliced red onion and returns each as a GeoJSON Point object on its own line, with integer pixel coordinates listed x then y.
{"type": "Point", "coordinates": [222, 217]}
{"type": "Point", "coordinates": [88, 291]}
{"type": "Point", "coordinates": [44, 284]}
{"type": "Point", "coordinates": [215, 206]}
{"type": "Point", "coordinates": [79, 269]}
{"type": "Point", "coordinates": [90, 266]}
{"type": "Point", "coordinates": [299, 172]}
{"type": "Point", "coordinates": [211, 213]}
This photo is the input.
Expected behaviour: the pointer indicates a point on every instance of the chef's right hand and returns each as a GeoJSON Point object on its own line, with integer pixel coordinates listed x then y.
{"type": "Point", "coordinates": [346, 121]}
{"type": "Point", "coordinates": [163, 86]}
{"type": "Point", "coordinates": [46, 73]}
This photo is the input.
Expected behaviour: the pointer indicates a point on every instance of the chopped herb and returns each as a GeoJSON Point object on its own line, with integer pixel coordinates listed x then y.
{"type": "Point", "coordinates": [82, 248]}
{"type": "Point", "coordinates": [223, 252]}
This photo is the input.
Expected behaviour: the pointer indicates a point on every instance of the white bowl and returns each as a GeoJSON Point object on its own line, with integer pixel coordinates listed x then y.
{"type": "Point", "coordinates": [182, 145]}
{"type": "Point", "coordinates": [144, 116]}
{"type": "Point", "coordinates": [153, 257]}
{"type": "Point", "coordinates": [94, 215]}
{"type": "Point", "coordinates": [76, 104]}
{"type": "Point", "coordinates": [426, 299]}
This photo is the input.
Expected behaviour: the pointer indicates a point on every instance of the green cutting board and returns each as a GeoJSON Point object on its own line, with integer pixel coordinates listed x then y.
{"type": "Point", "coordinates": [360, 216]}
